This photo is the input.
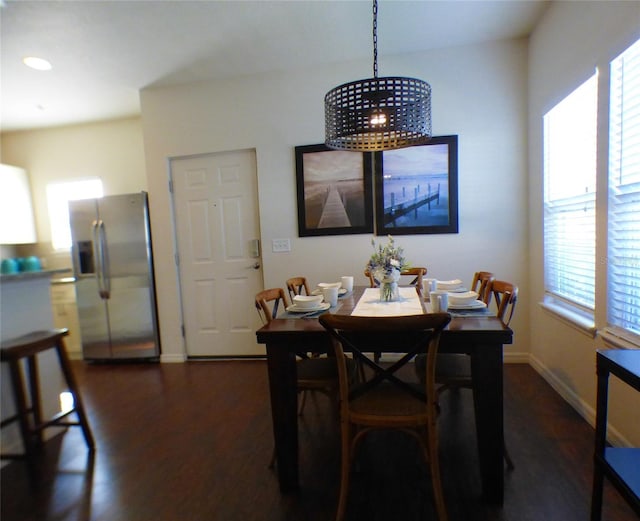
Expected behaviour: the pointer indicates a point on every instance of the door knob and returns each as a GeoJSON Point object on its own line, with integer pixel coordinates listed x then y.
{"type": "Point", "coordinates": [256, 266]}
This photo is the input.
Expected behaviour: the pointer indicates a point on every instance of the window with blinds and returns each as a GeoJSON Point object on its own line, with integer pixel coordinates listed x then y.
{"type": "Point", "coordinates": [570, 133]}
{"type": "Point", "coordinates": [623, 286]}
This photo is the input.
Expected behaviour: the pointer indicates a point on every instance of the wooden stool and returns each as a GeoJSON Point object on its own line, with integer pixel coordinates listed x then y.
{"type": "Point", "coordinates": [29, 417]}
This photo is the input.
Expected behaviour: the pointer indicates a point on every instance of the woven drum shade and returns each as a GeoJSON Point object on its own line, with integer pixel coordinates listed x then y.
{"type": "Point", "coordinates": [378, 114]}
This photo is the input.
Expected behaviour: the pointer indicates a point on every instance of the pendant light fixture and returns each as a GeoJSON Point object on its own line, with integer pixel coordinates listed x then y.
{"type": "Point", "coordinates": [378, 113]}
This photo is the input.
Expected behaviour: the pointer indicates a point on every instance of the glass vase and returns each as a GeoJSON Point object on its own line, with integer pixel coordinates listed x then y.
{"type": "Point", "coordinates": [389, 291]}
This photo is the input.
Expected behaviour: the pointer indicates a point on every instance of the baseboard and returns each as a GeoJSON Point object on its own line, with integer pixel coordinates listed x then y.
{"type": "Point", "coordinates": [583, 408]}
{"type": "Point", "coordinates": [172, 359]}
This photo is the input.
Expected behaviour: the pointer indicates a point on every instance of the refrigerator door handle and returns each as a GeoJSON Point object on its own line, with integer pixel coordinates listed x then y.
{"type": "Point", "coordinates": [105, 273]}
{"type": "Point", "coordinates": [97, 255]}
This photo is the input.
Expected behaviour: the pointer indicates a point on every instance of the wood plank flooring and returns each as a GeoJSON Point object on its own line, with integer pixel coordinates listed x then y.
{"type": "Point", "coordinates": [190, 442]}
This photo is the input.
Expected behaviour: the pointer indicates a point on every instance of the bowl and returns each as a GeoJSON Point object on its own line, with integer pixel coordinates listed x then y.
{"type": "Point", "coordinates": [9, 266]}
{"type": "Point", "coordinates": [323, 285]}
{"type": "Point", "coordinates": [463, 299]}
{"type": "Point", "coordinates": [449, 284]}
{"type": "Point", "coordinates": [307, 301]}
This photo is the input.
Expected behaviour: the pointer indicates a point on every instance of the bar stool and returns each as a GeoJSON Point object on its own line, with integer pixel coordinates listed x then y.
{"type": "Point", "coordinates": [29, 413]}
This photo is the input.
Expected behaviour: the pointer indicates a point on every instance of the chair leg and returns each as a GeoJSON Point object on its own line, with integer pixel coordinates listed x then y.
{"type": "Point", "coordinates": [78, 404]}
{"type": "Point", "coordinates": [507, 458]}
{"type": "Point", "coordinates": [345, 468]}
{"type": "Point", "coordinates": [436, 479]}
{"type": "Point", "coordinates": [303, 400]}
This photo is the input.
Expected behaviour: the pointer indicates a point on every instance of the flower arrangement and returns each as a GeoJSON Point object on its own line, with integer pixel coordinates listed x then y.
{"type": "Point", "coordinates": [386, 258]}
{"type": "Point", "coordinates": [386, 263]}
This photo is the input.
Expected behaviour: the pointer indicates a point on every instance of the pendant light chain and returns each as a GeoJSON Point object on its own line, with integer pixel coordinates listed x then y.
{"type": "Point", "coordinates": [375, 38]}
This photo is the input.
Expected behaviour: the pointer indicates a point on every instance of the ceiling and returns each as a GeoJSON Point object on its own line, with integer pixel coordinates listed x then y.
{"type": "Point", "coordinates": [104, 52]}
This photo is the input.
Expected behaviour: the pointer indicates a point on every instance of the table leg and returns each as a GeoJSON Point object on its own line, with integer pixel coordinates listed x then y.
{"type": "Point", "coordinates": [281, 365]}
{"type": "Point", "coordinates": [486, 369]}
{"type": "Point", "coordinates": [602, 399]}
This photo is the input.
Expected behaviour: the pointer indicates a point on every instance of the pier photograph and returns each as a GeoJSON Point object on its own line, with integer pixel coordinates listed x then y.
{"type": "Point", "coordinates": [417, 188]}
{"type": "Point", "coordinates": [334, 194]}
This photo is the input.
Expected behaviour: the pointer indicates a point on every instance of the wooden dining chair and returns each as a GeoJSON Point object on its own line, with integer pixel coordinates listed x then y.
{"type": "Point", "coordinates": [314, 373]}
{"type": "Point", "coordinates": [453, 370]}
{"type": "Point", "coordinates": [416, 272]}
{"type": "Point", "coordinates": [481, 284]}
{"type": "Point", "coordinates": [384, 400]}
{"type": "Point", "coordinates": [297, 286]}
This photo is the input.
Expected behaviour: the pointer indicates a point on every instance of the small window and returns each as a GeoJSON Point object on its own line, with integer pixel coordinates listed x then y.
{"type": "Point", "coordinates": [623, 291]}
{"type": "Point", "coordinates": [570, 133]}
{"type": "Point", "coordinates": [58, 197]}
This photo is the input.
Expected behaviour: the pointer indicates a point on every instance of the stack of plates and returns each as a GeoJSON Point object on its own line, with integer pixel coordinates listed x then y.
{"type": "Point", "coordinates": [304, 302]}
{"type": "Point", "coordinates": [462, 299]}
{"type": "Point", "coordinates": [319, 307]}
{"type": "Point", "coordinates": [476, 304]}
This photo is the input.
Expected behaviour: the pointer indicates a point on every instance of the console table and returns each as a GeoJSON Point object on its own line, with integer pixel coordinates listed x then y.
{"type": "Point", "coordinates": [621, 466]}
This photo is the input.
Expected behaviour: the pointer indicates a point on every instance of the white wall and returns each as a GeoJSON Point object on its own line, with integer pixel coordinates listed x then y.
{"type": "Point", "coordinates": [110, 150]}
{"type": "Point", "coordinates": [479, 93]}
{"type": "Point", "coordinates": [572, 39]}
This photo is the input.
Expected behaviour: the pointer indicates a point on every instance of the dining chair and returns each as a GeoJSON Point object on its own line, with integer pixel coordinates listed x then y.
{"type": "Point", "coordinates": [453, 370]}
{"type": "Point", "coordinates": [314, 373]}
{"type": "Point", "coordinates": [297, 286]}
{"type": "Point", "coordinates": [481, 284]}
{"type": "Point", "coordinates": [384, 400]}
{"type": "Point", "coordinates": [416, 272]}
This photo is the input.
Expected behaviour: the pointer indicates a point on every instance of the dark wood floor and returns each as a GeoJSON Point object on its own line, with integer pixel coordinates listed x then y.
{"type": "Point", "coordinates": [181, 442]}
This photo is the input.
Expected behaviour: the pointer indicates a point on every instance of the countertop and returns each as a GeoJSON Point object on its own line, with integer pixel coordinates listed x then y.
{"type": "Point", "coordinates": [31, 275]}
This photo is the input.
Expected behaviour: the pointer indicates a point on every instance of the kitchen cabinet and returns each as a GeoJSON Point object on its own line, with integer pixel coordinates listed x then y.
{"type": "Point", "coordinates": [65, 314]}
{"type": "Point", "coordinates": [17, 225]}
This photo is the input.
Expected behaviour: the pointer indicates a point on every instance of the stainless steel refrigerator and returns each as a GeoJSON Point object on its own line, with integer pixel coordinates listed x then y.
{"type": "Point", "coordinates": [113, 268]}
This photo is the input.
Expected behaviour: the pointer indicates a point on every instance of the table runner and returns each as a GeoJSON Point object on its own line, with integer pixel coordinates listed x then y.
{"type": "Point", "coordinates": [370, 305]}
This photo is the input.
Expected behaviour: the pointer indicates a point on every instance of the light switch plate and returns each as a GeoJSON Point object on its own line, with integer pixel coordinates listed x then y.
{"type": "Point", "coordinates": [280, 245]}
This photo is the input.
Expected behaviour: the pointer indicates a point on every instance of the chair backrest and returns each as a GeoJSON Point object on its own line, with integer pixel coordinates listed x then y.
{"type": "Point", "coordinates": [506, 296]}
{"type": "Point", "coordinates": [372, 280]}
{"type": "Point", "coordinates": [362, 336]}
{"type": "Point", "coordinates": [417, 273]}
{"type": "Point", "coordinates": [482, 285]}
{"type": "Point", "coordinates": [269, 302]}
{"type": "Point", "coordinates": [296, 285]}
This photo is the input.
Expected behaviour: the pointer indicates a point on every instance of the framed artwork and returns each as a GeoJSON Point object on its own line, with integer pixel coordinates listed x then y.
{"type": "Point", "coordinates": [417, 188]}
{"type": "Point", "coordinates": [334, 191]}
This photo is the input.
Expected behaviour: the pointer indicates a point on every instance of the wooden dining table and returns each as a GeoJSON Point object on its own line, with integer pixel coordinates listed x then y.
{"type": "Point", "coordinates": [482, 337]}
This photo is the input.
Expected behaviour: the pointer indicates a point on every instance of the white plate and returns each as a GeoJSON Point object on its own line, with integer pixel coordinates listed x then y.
{"type": "Point", "coordinates": [341, 291]}
{"type": "Point", "coordinates": [322, 307]}
{"type": "Point", "coordinates": [478, 304]}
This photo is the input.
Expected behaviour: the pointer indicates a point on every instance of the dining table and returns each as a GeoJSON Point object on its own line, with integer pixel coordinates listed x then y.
{"type": "Point", "coordinates": [481, 335]}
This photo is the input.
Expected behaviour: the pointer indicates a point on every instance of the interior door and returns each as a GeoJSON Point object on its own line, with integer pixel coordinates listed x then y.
{"type": "Point", "coordinates": [217, 226]}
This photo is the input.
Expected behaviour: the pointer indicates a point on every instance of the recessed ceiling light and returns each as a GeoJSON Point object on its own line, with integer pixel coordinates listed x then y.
{"type": "Point", "coordinates": [39, 64]}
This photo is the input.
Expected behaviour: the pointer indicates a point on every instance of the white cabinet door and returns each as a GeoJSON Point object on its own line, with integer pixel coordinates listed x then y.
{"type": "Point", "coordinates": [17, 225]}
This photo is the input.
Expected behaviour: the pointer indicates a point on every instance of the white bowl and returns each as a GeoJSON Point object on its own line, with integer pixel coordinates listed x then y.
{"type": "Point", "coordinates": [462, 299]}
{"type": "Point", "coordinates": [449, 284]}
{"type": "Point", "coordinates": [323, 285]}
{"type": "Point", "coordinates": [307, 301]}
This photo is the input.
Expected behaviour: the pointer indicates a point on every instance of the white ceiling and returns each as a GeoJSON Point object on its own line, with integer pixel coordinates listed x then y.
{"type": "Point", "coordinates": [104, 52]}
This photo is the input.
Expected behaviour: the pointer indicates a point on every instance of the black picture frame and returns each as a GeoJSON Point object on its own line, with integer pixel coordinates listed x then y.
{"type": "Point", "coordinates": [337, 178]}
{"type": "Point", "coordinates": [417, 188]}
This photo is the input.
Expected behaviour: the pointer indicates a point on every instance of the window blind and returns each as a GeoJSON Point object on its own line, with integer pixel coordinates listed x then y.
{"type": "Point", "coordinates": [570, 133]}
{"type": "Point", "coordinates": [623, 309]}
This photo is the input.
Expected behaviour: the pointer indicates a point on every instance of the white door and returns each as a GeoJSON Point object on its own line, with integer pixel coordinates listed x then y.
{"type": "Point", "coordinates": [217, 225]}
